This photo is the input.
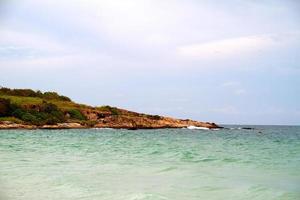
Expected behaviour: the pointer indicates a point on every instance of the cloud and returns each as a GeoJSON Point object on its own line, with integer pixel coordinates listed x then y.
{"type": "Point", "coordinates": [33, 50]}
{"type": "Point", "coordinates": [227, 47]}
{"type": "Point", "coordinates": [228, 109]}
{"type": "Point", "coordinates": [240, 92]}
{"type": "Point", "coordinates": [17, 39]}
{"type": "Point", "coordinates": [234, 87]}
{"type": "Point", "coordinates": [230, 84]}
{"type": "Point", "coordinates": [44, 62]}
{"type": "Point", "coordinates": [22, 49]}
{"type": "Point", "coordinates": [128, 29]}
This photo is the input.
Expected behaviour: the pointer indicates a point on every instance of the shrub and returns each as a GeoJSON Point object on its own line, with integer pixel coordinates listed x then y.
{"type": "Point", "coordinates": [154, 117]}
{"type": "Point", "coordinates": [76, 114]}
{"type": "Point", "coordinates": [39, 113]}
{"type": "Point", "coordinates": [48, 114]}
{"type": "Point", "coordinates": [18, 92]}
{"type": "Point", "coordinates": [18, 113]}
{"type": "Point", "coordinates": [11, 119]}
{"type": "Point", "coordinates": [52, 120]}
{"type": "Point", "coordinates": [48, 107]}
{"type": "Point", "coordinates": [112, 110]}
{"type": "Point", "coordinates": [28, 117]}
{"type": "Point", "coordinates": [59, 115]}
{"type": "Point", "coordinates": [32, 93]}
{"type": "Point", "coordinates": [64, 98]}
{"type": "Point", "coordinates": [25, 116]}
{"type": "Point", "coordinates": [55, 96]}
{"type": "Point", "coordinates": [4, 107]}
{"type": "Point", "coordinates": [24, 92]}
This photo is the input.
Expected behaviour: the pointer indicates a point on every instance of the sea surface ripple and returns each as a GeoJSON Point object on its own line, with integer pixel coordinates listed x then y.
{"type": "Point", "coordinates": [168, 164]}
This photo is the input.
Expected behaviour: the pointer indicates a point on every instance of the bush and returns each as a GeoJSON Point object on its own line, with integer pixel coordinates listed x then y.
{"type": "Point", "coordinates": [55, 96]}
{"type": "Point", "coordinates": [64, 98]}
{"type": "Point", "coordinates": [28, 117]}
{"type": "Point", "coordinates": [25, 116]}
{"type": "Point", "coordinates": [18, 113]}
{"type": "Point", "coordinates": [5, 107]}
{"type": "Point", "coordinates": [48, 114]}
{"type": "Point", "coordinates": [59, 115]}
{"type": "Point", "coordinates": [76, 114]}
{"type": "Point", "coordinates": [11, 119]}
{"type": "Point", "coordinates": [52, 120]}
{"type": "Point", "coordinates": [112, 110]}
{"type": "Point", "coordinates": [154, 117]}
{"type": "Point", "coordinates": [48, 107]}
{"type": "Point", "coordinates": [18, 92]}
{"type": "Point", "coordinates": [32, 93]}
{"type": "Point", "coordinates": [39, 114]}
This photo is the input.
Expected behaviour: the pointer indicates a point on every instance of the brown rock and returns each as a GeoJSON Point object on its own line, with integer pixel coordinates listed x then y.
{"type": "Point", "coordinates": [63, 126]}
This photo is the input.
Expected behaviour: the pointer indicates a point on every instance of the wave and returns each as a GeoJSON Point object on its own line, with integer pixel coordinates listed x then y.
{"type": "Point", "coordinates": [197, 128]}
{"type": "Point", "coordinates": [242, 128]}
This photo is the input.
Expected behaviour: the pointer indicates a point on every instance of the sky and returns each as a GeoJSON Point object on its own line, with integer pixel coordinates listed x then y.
{"type": "Point", "coordinates": [229, 62]}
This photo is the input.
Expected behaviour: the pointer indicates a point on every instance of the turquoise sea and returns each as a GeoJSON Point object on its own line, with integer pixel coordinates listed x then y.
{"type": "Point", "coordinates": [173, 164]}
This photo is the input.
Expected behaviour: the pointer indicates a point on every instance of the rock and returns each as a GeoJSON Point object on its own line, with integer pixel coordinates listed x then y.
{"type": "Point", "coordinates": [247, 128]}
{"type": "Point", "coordinates": [12, 125]}
{"type": "Point", "coordinates": [142, 122]}
{"type": "Point", "coordinates": [63, 126]}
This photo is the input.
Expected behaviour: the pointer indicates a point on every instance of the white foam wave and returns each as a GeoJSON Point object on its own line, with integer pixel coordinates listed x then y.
{"type": "Point", "coordinates": [235, 128]}
{"type": "Point", "coordinates": [197, 128]}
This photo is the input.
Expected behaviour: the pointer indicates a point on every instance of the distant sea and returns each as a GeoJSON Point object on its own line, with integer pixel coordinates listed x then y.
{"type": "Point", "coordinates": [174, 164]}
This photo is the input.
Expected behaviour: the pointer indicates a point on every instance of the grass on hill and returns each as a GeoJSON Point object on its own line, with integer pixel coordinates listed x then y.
{"type": "Point", "coordinates": [35, 107]}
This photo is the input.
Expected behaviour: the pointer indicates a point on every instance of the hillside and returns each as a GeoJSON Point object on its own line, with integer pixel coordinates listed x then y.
{"type": "Point", "coordinates": [25, 108]}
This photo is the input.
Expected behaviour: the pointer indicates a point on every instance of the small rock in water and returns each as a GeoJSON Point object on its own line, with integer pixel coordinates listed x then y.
{"type": "Point", "coordinates": [247, 128]}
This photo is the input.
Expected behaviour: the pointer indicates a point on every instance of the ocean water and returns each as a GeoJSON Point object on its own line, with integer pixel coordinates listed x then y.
{"type": "Point", "coordinates": [174, 164]}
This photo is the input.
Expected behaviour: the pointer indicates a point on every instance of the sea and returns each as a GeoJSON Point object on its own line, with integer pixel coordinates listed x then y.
{"type": "Point", "coordinates": [262, 163]}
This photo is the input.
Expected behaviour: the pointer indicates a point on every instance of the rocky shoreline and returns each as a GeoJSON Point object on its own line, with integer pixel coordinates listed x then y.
{"type": "Point", "coordinates": [29, 109]}
{"type": "Point", "coordinates": [186, 124]}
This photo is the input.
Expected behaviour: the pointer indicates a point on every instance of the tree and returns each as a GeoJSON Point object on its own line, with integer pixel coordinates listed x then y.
{"type": "Point", "coordinates": [4, 107]}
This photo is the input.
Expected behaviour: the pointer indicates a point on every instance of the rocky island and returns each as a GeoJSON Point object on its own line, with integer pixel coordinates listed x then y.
{"type": "Point", "coordinates": [29, 109]}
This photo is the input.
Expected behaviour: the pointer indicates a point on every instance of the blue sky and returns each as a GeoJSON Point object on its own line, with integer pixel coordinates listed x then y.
{"type": "Point", "coordinates": [232, 61]}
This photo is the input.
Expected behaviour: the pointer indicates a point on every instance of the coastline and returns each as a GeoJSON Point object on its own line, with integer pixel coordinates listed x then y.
{"type": "Point", "coordinates": [29, 109]}
{"type": "Point", "coordinates": [7, 125]}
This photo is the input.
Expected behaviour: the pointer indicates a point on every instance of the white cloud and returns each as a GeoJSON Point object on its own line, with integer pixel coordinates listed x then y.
{"type": "Point", "coordinates": [229, 109]}
{"type": "Point", "coordinates": [44, 62]}
{"type": "Point", "coordinates": [33, 50]}
{"type": "Point", "coordinates": [230, 84]}
{"type": "Point", "coordinates": [143, 30]}
{"type": "Point", "coordinates": [16, 39]}
{"type": "Point", "coordinates": [234, 87]}
{"type": "Point", "coordinates": [240, 92]}
{"type": "Point", "coordinates": [227, 47]}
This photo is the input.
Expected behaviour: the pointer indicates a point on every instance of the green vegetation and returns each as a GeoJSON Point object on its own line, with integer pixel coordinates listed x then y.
{"type": "Point", "coordinates": [5, 107]}
{"type": "Point", "coordinates": [154, 117]}
{"type": "Point", "coordinates": [112, 110]}
{"type": "Point", "coordinates": [55, 96]}
{"type": "Point", "coordinates": [45, 113]}
{"type": "Point", "coordinates": [34, 107]}
{"type": "Point", "coordinates": [32, 93]}
{"type": "Point", "coordinates": [11, 119]}
{"type": "Point", "coordinates": [25, 106]}
{"type": "Point", "coordinates": [22, 101]}
{"type": "Point", "coordinates": [76, 114]}
{"type": "Point", "coordinates": [67, 105]}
